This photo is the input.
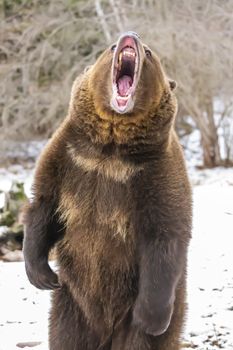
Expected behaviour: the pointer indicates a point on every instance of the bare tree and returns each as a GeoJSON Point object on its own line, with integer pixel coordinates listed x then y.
{"type": "Point", "coordinates": [44, 45]}
{"type": "Point", "coordinates": [194, 40]}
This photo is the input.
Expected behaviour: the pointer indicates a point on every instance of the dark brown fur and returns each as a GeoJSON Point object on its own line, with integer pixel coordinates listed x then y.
{"type": "Point", "coordinates": [112, 191]}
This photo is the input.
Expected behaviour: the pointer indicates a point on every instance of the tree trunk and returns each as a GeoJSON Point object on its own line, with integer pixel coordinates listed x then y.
{"type": "Point", "coordinates": [209, 138]}
{"type": "Point", "coordinates": [210, 146]}
{"type": "Point", "coordinates": [203, 114]}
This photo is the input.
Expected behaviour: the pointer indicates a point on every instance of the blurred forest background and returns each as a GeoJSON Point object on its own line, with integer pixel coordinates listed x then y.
{"type": "Point", "coordinates": [45, 44]}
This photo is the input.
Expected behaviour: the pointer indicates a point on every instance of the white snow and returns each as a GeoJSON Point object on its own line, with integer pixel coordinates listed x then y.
{"type": "Point", "coordinates": [15, 173]}
{"type": "Point", "coordinates": [210, 273]}
{"type": "Point", "coordinates": [21, 150]}
{"type": "Point", "coordinates": [23, 309]}
{"type": "Point", "coordinates": [209, 326]}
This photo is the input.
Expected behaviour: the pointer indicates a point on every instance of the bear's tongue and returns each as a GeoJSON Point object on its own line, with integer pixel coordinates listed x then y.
{"type": "Point", "coordinates": [124, 84]}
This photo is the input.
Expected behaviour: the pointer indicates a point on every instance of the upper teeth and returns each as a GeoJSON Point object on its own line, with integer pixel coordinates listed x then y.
{"type": "Point", "coordinates": [128, 53]}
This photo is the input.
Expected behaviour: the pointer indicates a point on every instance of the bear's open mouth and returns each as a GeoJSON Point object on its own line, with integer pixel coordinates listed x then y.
{"type": "Point", "coordinates": [125, 70]}
{"type": "Point", "coordinates": [124, 73]}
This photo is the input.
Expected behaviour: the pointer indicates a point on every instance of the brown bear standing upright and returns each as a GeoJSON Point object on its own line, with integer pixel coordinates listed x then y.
{"type": "Point", "coordinates": [111, 191]}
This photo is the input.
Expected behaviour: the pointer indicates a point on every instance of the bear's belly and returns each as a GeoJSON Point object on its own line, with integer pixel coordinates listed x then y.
{"type": "Point", "coordinates": [101, 271]}
{"type": "Point", "coordinates": [97, 254]}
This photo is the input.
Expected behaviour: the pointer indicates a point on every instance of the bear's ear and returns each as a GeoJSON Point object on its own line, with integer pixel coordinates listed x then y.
{"type": "Point", "coordinates": [86, 69]}
{"type": "Point", "coordinates": [172, 83]}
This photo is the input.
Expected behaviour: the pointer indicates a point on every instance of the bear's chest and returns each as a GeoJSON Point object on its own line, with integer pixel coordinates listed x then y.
{"type": "Point", "coordinates": [98, 197]}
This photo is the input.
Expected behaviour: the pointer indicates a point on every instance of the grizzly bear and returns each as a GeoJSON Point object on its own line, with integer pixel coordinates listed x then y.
{"type": "Point", "coordinates": [111, 193]}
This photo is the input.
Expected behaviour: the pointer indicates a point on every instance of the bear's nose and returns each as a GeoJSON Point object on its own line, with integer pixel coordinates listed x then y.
{"type": "Point", "coordinates": [131, 33]}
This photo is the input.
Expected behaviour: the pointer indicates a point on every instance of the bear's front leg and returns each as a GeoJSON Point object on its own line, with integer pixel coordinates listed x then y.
{"type": "Point", "coordinates": [162, 262]}
{"type": "Point", "coordinates": [43, 227]}
{"type": "Point", "coordinates": [42, 230]}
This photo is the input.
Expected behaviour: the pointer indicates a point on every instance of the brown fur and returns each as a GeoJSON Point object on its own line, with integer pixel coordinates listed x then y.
{"type": "Point", "coordinates": [112, 191]}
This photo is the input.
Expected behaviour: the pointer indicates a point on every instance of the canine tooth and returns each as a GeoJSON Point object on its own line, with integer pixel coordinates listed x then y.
{"type": "Point", "coordinates": [120, 60]}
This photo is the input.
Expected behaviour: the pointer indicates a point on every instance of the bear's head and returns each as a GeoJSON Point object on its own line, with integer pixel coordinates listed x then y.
{"type": "Point", "coordinates": [125, 95]}
{"type": "Point", "coordinates": [128, 78]}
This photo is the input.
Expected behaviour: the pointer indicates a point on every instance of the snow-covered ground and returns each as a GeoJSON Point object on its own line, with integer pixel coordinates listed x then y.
{"type": "Point", "coordinates": [210, 274]}
{"type": "Point", "coordinates": [23, 310]}
{"type": "Point", "coordinates": [209, 326]}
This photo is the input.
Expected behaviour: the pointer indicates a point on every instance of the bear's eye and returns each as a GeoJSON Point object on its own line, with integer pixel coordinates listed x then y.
{"type": "Point", "coordinates": [148, 52]}
{"type": "Point", "coordinates": [113, 47]}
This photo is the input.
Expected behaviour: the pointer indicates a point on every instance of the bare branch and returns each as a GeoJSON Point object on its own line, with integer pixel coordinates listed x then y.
{"type": "Point", "coordinates": [103, 22]}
